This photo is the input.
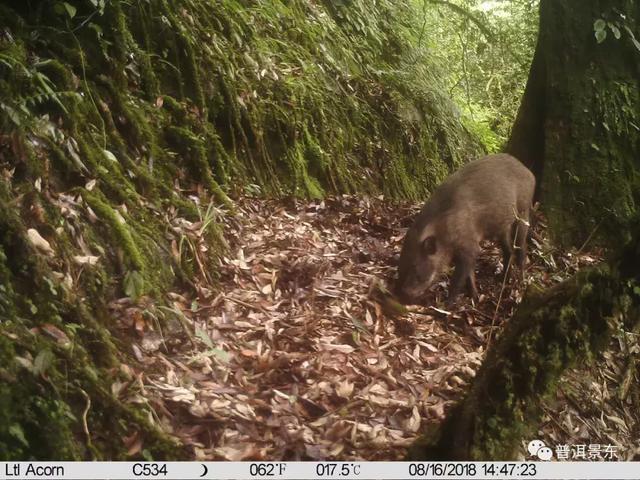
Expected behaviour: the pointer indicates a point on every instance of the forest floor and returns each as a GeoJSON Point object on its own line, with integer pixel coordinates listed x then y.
{"type": "Point", "coordinates": [290, 357]}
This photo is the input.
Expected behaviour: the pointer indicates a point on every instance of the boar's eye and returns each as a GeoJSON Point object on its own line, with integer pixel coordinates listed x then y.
{"type": "Point", "coordinates": [429, 245]}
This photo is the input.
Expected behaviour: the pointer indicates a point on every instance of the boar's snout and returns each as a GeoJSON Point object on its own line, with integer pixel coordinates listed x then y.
{"type": "Point", "coordinates": [418, 266]}
{"type": "Point", "coordinates": [411, 287]}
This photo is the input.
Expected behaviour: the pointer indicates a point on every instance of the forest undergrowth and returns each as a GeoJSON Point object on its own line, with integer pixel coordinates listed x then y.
{"type": "Point", "coordinates": [132, 286]}
{"type": "Point", "coordinates": [292, 357]}
{"type": "Point", "coordinates": [121, 121]}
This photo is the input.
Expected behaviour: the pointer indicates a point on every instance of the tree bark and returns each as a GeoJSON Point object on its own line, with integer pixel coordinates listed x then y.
{"type": "Point", "coordinates": [551, 332]}
{"type": "Point", "coordinates": [578, 127]}
{"type": "Point", "coordinates": [578, 130]}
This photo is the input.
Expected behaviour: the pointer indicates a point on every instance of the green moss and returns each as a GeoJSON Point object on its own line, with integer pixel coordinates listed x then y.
{"type": "Point", "coordinates": [7, 307]}
{"type": "Point", "coordinates": [193, 148]}
{"type": "Point", "coordinates": [222, 164]}
{"type": "Point", "coordinates": [297, 164]}
{"type": "Point", "coordinates": [141, 25]}
{"type": "Point", "coordinates": [551, 332]}
{"type": "Point", "coordinates": [587, 133]}
{"type": "Point", "coordinates": [138, 109]}
{"type": "Point", "coordinates": [185, 55]}
{"type": "Point", "coordinates": [33, 419]}
{"type": "Point", "coordinates": [117, 228]}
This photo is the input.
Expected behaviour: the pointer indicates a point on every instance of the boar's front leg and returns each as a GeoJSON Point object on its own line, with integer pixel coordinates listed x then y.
{"type": "Point", "coordinates": [507, 252]}
{"type": "Point", "coordinates": [463, 275]}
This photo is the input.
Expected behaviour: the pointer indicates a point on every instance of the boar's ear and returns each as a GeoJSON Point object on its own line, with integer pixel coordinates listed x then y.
{"type": "Point", "coordinates": [429, 245]}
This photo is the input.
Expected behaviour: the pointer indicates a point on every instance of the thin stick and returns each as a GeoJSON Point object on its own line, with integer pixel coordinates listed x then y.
{"type": "Point", "coordinates": [247, 305]}
{"type": "Point", "coordinates": [506, 272]}
{"type": "Point", "coordinates": [85, 425]}
{"type": "Point", "coordinates": [506, 276]}
{"type": "Point", "coordinates": [588, 238]}
{"type": "Point", "coordinates": [504, 284]}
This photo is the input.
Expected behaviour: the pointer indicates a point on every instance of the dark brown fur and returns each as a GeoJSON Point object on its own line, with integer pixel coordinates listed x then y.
{"type": "Point", "coordinates": [487, 199]}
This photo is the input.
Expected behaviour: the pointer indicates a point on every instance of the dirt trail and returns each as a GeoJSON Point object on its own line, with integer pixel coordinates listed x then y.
{"type": "Point", "coordinates": [294, 360]}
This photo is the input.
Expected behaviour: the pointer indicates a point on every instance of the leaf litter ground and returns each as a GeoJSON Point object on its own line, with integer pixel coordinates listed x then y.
{"type": "Point", "coordinates": [290, 357]}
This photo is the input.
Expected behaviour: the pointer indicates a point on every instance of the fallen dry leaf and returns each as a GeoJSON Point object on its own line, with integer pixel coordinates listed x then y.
{"type": "Point", "coordinates": [293, 355]}
{"type": "Point", "coordinates": [39, 242]}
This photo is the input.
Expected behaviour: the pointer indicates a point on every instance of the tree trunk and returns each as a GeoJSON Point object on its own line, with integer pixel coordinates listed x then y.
{"type": "Point", "coordinates": [578, 127]}
{"type": "Point", "coordinates": [552, 332]}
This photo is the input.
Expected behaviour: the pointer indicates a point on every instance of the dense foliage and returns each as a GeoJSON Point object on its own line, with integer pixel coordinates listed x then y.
{"type": "Point", "coordinates": [485, 48]}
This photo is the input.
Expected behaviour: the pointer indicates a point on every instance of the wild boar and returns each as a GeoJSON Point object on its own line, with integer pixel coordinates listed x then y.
{"type": "Point", "coordinates": [489, 198]}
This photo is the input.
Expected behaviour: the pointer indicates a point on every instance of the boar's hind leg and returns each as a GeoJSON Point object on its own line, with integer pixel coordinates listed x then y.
{"type": "Point", "coordinates": [471, 284]}
{"type": "Point", "coordinates": [462, 275]}
{"type": "Point", "coordinates": [520, 241]}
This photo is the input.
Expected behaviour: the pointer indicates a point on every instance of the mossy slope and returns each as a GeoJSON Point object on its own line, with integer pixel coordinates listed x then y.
{"type": "Point", "coordinates": [118, 123]}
